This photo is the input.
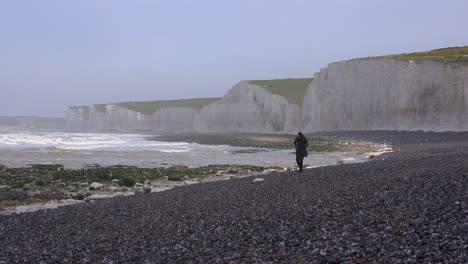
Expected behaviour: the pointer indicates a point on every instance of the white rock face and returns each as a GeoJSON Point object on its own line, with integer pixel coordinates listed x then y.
{"type": "Point", "coordinates": [120, 119]}
{"type": "Point", "coordinates": [114, 118]}
{"type": "Point", "coordinates": [245, 108]}
{"type": "Point", "coordinates": [249, 108]}
{"type": "Point", "coordinates": [361, 94]}
{"type": "Point", "coordinates": [174, 119]}
{"type": "Point", "coordinates": [78, 119]}
{"type": "Point", "coordinates": [386, 94]}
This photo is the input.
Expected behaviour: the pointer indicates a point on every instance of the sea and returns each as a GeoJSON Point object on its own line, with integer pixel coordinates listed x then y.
{"type": "Point", "coordinates": [81, 150]}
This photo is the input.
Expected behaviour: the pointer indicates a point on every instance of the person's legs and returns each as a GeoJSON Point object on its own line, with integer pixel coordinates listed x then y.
{"type": "Point", "coordinates": [299, 161]}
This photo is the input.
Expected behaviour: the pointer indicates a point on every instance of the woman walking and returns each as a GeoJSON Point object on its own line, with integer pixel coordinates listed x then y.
{"type": "Point", "coordinates": [301, 144]}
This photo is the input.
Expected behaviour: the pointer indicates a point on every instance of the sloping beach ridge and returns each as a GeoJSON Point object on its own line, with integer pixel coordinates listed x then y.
{"type": "Point", "coordinates": [406, 206]}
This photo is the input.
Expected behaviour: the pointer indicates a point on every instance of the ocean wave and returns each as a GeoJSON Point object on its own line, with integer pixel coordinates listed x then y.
{"type": "Point", "coordinates": [88, 141]}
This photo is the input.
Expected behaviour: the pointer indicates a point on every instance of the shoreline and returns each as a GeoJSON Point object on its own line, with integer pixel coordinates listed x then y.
{"type": "Point", "coordinates": [407, 206]}
{"type": "Point", "coordinates": [52, 185]}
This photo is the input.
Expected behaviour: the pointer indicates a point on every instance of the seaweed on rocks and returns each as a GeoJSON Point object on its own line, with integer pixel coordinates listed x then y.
{"type": "Point", "coordinates": [51, 182]}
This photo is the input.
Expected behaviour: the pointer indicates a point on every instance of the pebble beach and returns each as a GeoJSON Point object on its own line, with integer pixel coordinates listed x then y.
{"type": "Point", "coordinates": [409, 206]}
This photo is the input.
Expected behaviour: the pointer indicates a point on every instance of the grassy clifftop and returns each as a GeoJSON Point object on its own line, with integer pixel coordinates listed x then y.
{"type": "Point", "coordinates": [149, 107]}
{"type": "Point", "coordinates": [445, 54]}
{"type": "Point", "coordinates": [293, 89]}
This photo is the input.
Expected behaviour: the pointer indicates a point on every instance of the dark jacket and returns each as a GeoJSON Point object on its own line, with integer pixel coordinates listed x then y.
{"type": "Point", "coordinates": [301, 144]}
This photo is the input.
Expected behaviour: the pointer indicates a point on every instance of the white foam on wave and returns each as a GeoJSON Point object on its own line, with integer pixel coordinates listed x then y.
{"type": "Point", "coordinates": [88, 141]}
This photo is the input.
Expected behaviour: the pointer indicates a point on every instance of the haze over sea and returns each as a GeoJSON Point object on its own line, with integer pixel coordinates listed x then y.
{"type": "Point", "coordinates": [77, 150]}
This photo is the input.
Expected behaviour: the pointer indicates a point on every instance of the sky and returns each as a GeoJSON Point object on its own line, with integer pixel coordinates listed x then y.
{"type": "Point", "coordinates": [58, 53]}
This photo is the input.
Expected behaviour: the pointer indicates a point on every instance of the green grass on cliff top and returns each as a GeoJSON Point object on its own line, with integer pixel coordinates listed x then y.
{"type": "Point", "coordinates": [149, 107]}
{"type": "Point", "coordinates": [293, 89]}
{"type": "Point", "coordinates": [445, 54]}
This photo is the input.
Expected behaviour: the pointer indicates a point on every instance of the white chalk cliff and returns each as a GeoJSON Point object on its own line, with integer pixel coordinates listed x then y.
{"type": "Point", "coordinates": [245, 108]}
{"type": "Point", "coordinates": [112, 118]}
{"type": "Point", "coordinates": [174, 119]}
{"type": "Point", "coordinates": [360, 94]}
{"type": "Point", "coordinates": [249, 108]}
{"type": "Point", "coordinates": [387, 94]}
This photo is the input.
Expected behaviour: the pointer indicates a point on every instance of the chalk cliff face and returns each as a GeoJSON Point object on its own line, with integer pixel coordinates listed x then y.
{"type": "Point", "coordinates": [249, 108]}
{"type": "Point", "coordinates": [174, 119]}
{"type": "Point", "coordinates": [111, 118]}
{"type": "Point", "coordinates": [387, 94]}
{"type": "Point", "coordinates": [118, 118]}
{"type": "Point", "coordinates": [245, 108]}
{"type": "Point", "coordinates": [78, 119]}
{"type": "Point", "coordinates": [360, 94]}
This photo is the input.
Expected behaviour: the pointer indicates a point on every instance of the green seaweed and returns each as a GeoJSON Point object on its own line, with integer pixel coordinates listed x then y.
{"type": "Point", "coordinates": [42, 177]}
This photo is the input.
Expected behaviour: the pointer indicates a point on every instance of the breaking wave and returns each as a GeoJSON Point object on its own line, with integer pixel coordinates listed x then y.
{"type": "Point", "coordinates": [89, 141]}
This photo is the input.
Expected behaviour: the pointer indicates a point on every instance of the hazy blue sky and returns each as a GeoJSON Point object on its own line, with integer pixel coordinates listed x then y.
{"type": "Point", "coordinates": [56, 53]}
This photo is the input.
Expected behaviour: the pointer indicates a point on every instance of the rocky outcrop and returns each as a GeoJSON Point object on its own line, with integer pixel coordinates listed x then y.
{"type": "Point", "coordinates": [369, 94]}
{"type": "Point", "coordinates": [249, 108]}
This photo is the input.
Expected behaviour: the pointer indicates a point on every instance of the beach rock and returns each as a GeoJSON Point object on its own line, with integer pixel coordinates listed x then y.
{"type": "Point", "coordinates": [84, 184]}
{"type": "Point", "coordinates": [258, 180]}
{"type": "Point", "coordinates": [4, 188]}
{"type": "Point", "coordinates": [60, 185]}
{"type": "Point", "coordinates": [127, 181]}
{"type": "Point", "coordinates": [96, 185]}
{"type": "Point", "coordinates": [174, 178]}
{"type": "Point", "coordinates": [79, 196]}
{"type": "Point", "coordinates": [179, 168]}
